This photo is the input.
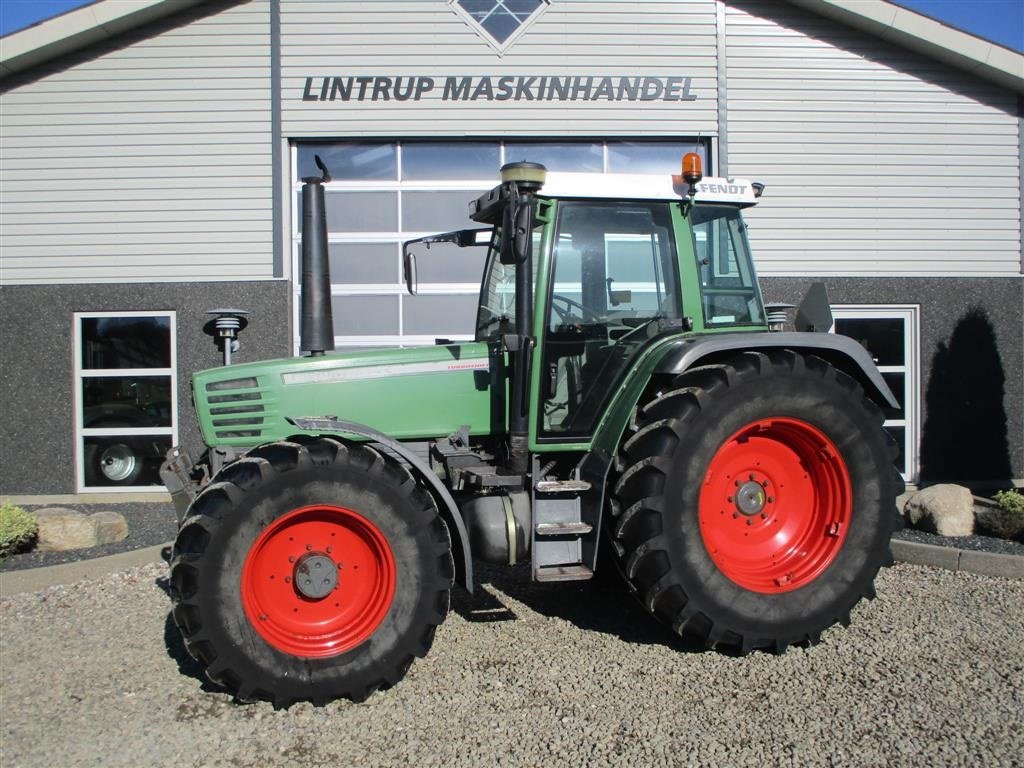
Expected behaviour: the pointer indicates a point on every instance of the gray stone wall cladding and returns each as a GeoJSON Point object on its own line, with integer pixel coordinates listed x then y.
{"type": "Point", "coordinates": [971, 335]}
{"type": "Point", "coordinates": [37, 451]}
{"type": "Point", "coordinates": [972, 358]}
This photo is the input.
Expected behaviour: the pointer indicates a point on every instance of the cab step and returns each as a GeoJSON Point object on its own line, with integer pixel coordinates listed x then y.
{"type": "Point", "coordinates": [575, 572]}
{"type": "Point", "coordinates": [561, 486]}
{"type": "Point", "coordinates": [563, 529]}
{"type": "Point", "coordinates": [485, 478]}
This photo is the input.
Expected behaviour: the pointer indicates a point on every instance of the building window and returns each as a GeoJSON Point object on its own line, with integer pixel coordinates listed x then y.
{"type": "Point", "coordinates": [382, 193]}
{"type": "Point", "coordinates": [125, 398]}
{"type": "Point", "coordinates": [890, 335]}
{"type": "Point", "coordinates": [501, 21]}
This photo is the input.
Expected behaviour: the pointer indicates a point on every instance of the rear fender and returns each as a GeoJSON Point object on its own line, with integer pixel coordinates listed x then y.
{"type": "Point", "coordinates": [841, 352]}
{"type": "Point", "coordinates": [680, 354]}
{"type": "Point", "coordinates": [448, 508]}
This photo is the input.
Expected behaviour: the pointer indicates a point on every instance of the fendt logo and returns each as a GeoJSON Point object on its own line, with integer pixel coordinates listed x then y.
{"type": "Point", "coordinates": [500, 22]}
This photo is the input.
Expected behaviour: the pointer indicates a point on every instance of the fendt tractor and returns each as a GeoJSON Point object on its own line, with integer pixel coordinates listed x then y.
{"type": "Point", "coordinates": [623, 396]}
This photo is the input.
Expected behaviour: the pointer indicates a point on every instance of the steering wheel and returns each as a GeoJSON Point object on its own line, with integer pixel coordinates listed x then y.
{"type": "Point", "coordinates": [566, 315]}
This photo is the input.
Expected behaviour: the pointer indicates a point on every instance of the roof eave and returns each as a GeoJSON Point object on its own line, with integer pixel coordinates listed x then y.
{"type": "Point", "coordinates": [926, 36]}
{"type": "Point", "coordinates": [90, 24]}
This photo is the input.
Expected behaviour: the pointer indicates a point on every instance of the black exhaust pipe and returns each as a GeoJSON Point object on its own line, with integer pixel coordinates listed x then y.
{"type": "Point", "coordinates": [316, 330]}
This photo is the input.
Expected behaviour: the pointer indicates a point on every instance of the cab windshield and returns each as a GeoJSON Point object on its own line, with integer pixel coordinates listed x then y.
{"type": "Point", "coordinates": [729, 289]}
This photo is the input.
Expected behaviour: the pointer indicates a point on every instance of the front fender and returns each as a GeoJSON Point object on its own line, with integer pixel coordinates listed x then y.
{"type": "Point", "coordinates": [450, 512]}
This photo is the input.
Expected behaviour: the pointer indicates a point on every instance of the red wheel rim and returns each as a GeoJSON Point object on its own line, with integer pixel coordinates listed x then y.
{"type": "Point", "coordinates": [281, 600]}
{"type": "Point", "coordinates": [775, 505]}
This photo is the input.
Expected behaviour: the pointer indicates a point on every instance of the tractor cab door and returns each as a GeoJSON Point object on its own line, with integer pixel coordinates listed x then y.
{"type": "Point", "coordinates": [496, 317]}
{"type": "Point", "coordinates": [611, 285]}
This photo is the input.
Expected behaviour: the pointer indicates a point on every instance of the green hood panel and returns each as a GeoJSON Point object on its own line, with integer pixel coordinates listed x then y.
{"type": "Point", "coordinates": [420, 392]}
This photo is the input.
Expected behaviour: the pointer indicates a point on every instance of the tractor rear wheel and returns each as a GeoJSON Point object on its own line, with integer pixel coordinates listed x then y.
{"type": "Point", "coordinates": [310, 570]}
{"type": "Point", "coordinates": [756, 501]}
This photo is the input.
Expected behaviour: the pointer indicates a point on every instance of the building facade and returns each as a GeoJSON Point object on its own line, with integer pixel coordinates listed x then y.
{"type": "Point", "coordinates": [153, 151]}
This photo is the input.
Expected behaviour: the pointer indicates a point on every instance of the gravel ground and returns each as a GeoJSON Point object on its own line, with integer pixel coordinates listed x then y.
{"type": "Point", "coordinates": [975, 543]}
{"type": "Point", "coordinates": [930, 673]}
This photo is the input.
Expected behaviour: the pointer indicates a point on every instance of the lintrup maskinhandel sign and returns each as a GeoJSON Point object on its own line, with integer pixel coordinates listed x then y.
{"type": "Point", "coordinates": [503, 88]}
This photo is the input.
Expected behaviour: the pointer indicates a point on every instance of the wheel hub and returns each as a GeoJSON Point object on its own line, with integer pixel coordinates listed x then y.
{"type": "Point", "coordinates": [775, 505]}
{"type": "Point", "coordinates": [750, 498]}
{"type": "Point", "coordinates": [291, 576]}
{"type": "Point", "coordinates": [315, 575]}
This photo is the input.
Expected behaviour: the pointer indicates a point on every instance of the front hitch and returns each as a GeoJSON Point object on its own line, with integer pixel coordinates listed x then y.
{"type": "Point", "coordinates": [178, 474]}
{"type": "Point", "coordinates": [185, 479]}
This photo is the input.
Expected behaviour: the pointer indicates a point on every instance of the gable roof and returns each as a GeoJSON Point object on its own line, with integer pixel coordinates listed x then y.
{"type": "Point", "coordinates": [106, 19]}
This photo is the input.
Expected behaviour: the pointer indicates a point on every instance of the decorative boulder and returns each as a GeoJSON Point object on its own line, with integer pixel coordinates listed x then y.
{"type": "Point", "coordinates": [61, 529]}
{"type": "Point", "coordinates": [110, 527]}
{"type": "Point", "coordinates": [947, 510]}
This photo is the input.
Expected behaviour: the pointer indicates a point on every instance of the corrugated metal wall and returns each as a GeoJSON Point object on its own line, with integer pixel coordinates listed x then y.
{"type": "Point", "coordinates": [150, 161]}
{"type": "Point", "coordinates": [572, 37]}
{"type": "Point", "coordinates": [878, 161]}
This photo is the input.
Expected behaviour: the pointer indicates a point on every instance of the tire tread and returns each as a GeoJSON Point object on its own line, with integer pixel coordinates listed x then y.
{"type": "Point", "coordinates": [221, 498]}
{"type": "Point", "coordinates": [644, 463]}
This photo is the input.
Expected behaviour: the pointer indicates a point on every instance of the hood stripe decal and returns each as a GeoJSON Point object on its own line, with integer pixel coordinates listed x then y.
{"type": "Point", "coordinates": [386, 371]}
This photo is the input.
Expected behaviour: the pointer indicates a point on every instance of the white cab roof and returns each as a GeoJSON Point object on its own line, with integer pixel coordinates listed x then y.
{"type": "Point", "coordinates": [711, 189]}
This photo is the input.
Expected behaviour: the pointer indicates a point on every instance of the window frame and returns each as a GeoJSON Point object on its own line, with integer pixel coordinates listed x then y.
{"type": "Point", "coordinates": [80, 374]}
{"type": "Point", "coordinates": [910, 315]}
{"type": "Point", "coordinates": [500, 46]}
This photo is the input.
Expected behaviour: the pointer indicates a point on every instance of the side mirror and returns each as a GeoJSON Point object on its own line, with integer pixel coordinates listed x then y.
{"type": "Point", "coordinates": [523, 236]}
{"type": "Point", "coordinates": [516, 226]}
{"type": "Point", "coordinates": [508, 224]}
{"type": "Point", "coordinates": [409, 270]}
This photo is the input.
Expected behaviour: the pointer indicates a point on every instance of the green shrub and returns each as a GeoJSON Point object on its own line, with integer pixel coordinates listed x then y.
{"type": "Point", "coordinates": [1005, 521]}
{"type": "Point", "coordinates": [17, 529]}
{"type": "Point", "coordinates": [1010, 501]}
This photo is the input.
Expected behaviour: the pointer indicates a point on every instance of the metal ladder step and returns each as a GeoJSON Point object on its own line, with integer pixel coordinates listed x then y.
{"type": "Point", "coordinates": [575, 572]}
{"type": "Point", "coordinates": [563, 529]}
{"type": "Point", "coordinates": [561, 486]}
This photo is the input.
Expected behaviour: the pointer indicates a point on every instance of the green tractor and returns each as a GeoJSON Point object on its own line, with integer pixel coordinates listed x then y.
{"type": "Point", "coordinates": [623, 395]}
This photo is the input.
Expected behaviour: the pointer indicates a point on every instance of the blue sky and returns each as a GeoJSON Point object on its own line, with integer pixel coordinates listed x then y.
{"type": "Point", "coordinates": [1001, 21]}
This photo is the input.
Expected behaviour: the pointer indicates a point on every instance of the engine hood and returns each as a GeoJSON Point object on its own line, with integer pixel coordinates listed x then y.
{"type": "Point", "coordinates": [412, 393]}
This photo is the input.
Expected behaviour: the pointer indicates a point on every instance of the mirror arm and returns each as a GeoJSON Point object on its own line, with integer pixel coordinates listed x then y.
{"type": "Point", "coordinates": [463, 238]}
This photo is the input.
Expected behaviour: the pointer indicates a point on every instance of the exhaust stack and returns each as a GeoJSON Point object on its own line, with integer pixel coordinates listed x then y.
{"type": "Point", "coordinates": [317, 323]}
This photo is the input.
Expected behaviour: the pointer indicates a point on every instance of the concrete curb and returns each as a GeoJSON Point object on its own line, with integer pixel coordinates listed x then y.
{"type": "Point", "coordinates": [951, 559]}
{"type": "Point", "coordinates": [85, 499]}
{"type": "Point", "coordinates": [32, 579]}
{"type": "Point", "coordinates": [913, 552]}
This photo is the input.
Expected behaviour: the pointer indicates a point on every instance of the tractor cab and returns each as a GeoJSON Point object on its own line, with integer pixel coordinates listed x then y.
{"type": "Point", "coordinates": [584, 273]}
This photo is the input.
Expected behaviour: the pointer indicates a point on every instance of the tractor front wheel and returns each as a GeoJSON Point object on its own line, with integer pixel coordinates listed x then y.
{"type": "Point", "coordinates": [756, 501]}
{"type": "Point", "coordinates": [310, 570]}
